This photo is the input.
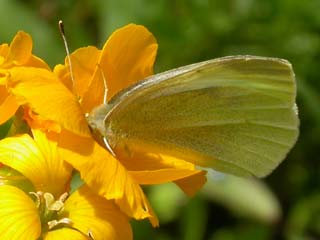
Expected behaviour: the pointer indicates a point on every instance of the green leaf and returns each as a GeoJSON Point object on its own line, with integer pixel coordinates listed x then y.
{"type": "Point", "coordinates": [246, 197]}
{"type": "Point", "coordinates": [167, 201]}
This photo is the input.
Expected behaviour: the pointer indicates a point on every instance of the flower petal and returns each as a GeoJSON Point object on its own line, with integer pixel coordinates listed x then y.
{"type": "Point", "coordinates": [38, 160]}
{"type": "Point", "coordinates": [95, 94]}
{"type": "Point", "coordinates": [139, 160]}
{"type": "Point", "coordinates": [105, 174]}
{"type": "Point", "coordinates": [8, 105]}
{"type": "Point", "coordinates": [36, 62]}
{"type": "Point", "coordinates": [127, 57]}
{"type": "Point", "coordinates": [152, 168]}
{"type": "Point", "coordinates": [36, 122]}
{"type": "Point", "coordinates": [84, 63]}
{"type": "Point", "coordinates": [4, 49]}
{"type": "Point", "coordinates": [18, 215]}
{"type": "Point", "coordinates": [48, 97]}
{"type": "Point", "coordinates": [192, 184]}
{"type": "Point", "coordinates": [92, 213]}
{"type": "Point", "coordinates": [162, 175]}
{"type": "Point", "coordinates": [19, 53]}
{"type": "Point", "coordinates": [64, 233]}
{"type": "Point", "coordinates": [20, 49]}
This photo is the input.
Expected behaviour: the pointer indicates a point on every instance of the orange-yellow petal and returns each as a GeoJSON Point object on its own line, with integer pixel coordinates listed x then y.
{"type": "Point", "coordinates": [94, 96]}
{"type": "Point", "coordinates": [139, 159]}
{"type": "Point", "coordinates": [151, 168]}
{"type": "Point", "coordinates": [36, 122]}
{"type": "Point", "coordinates": [64, 233]}
{"type": "Point", "coordinates": [19, 217]}
{"type": "Point", "coordinates": [84, 63]}
{"type": "Point", "coordinates": [19, 53]}
{"type": "Point", "coordinates": [162, 175]}
{"type": "Point", "coordinates": [105, 175]}
{"type": "Point", "coordinates": [8, 105]}
{"type": "Point", "coordinates": [127, 57]}
{"type": "Point", "coordinates": [20, 49]}
{"type": "Point", "coordinates": [36, 62]}
{"type": "Point", "coordinates": [192, 184]}
{"type": "Point", "coordinates": [46, 95]}
{"type": "Point", "coordinates": [92, 213]}
{"type": "Point", "coordinates": [4, 49]}
{"type": "Point", "coordinates": [38, 160]}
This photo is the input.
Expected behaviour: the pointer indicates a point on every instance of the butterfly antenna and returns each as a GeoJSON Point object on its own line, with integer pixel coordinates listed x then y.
{"type": "Point", "coordinates": [105, 96]}
{"type": "Point", "coordinates": [63, 35]}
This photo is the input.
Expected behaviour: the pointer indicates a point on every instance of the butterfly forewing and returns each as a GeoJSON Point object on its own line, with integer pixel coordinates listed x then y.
{"type": "Point", "coordinates": [234, 114]}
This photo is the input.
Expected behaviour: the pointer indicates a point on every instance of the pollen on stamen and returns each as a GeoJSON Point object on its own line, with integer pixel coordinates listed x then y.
{"type": "Point", "coordinates": [64, 221]}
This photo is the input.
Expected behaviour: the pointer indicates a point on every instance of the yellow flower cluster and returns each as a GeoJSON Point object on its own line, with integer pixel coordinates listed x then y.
{"type": "Point", "coordinates": [38, 161]}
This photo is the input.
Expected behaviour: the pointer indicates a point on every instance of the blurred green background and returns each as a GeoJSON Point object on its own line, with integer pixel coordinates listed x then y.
{"type": "Point", "coordinates": [285, 205]}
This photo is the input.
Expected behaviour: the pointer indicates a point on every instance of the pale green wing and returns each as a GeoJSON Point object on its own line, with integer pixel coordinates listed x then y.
{"type": "Point", "coordinates": [234, 114]}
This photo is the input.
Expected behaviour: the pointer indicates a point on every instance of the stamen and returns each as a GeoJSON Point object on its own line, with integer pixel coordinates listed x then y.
{"type": "Point", "coordinates": [50, 209]}
{"type": "Point", "coordinates": [55, 223]}
{"type": "Point", "coordinates": [37, 195]}
{"type": "Point", "coordinates": [64, 197]}
{"type": "Point", "coordinates": [49, 201]}
{"type": "Point", "coordinates": [63, 35]}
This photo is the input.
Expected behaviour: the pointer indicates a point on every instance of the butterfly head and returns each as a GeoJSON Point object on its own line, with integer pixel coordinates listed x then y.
{"type": "Point", "coordinates": [96, 119]}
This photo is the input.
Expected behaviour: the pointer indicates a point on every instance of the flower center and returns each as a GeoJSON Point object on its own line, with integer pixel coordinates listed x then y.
{"type": "Point", "coordinates": [49, 209]}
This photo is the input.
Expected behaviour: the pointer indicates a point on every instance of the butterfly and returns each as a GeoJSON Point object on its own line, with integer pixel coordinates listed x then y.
{"type": "Point", "coordinates": [234, 114]}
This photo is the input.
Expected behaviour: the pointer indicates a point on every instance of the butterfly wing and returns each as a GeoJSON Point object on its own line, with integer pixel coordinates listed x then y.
{"type": "Point", "coordinates": [234, 114]}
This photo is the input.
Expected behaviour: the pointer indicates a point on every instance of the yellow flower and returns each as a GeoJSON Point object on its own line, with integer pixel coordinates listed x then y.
{"type": "Point", "coordinates": [127, 57]}
{"type": "Point", "coordinates": [15, 55]}
{"type": "Point", "coordinates": [47, 212]}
